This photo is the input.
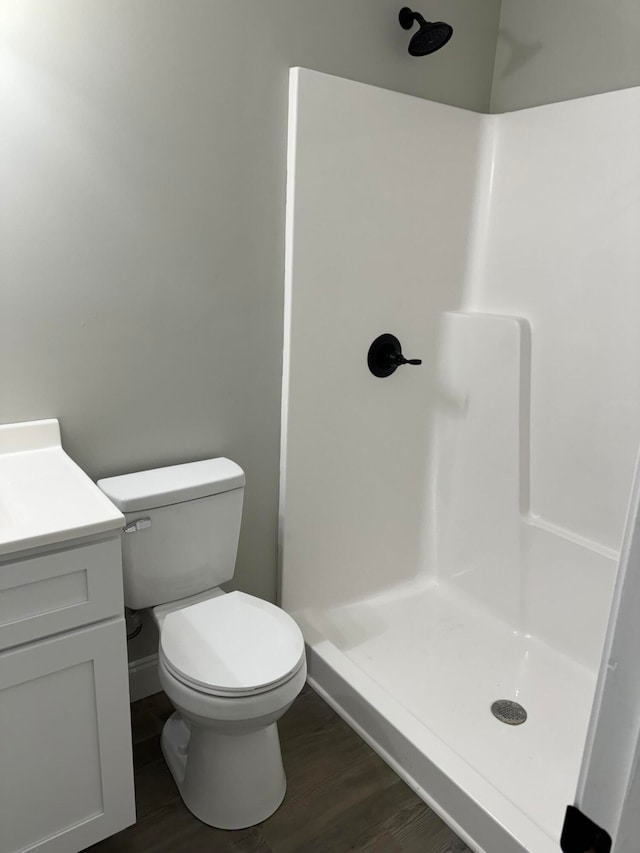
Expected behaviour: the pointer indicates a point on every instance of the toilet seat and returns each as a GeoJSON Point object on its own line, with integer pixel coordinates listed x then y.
{"type": "Point", "coordinates": [233, 645]}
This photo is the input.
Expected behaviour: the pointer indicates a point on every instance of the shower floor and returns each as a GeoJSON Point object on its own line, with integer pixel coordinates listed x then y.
{"type": "Point", "coordinates": [444, 661]}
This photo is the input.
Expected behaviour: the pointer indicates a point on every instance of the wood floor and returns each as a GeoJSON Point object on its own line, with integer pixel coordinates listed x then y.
{"type": "Point", "coordinates": [340, 797]}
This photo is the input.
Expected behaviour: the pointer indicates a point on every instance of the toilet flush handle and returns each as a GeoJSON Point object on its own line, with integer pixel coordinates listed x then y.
{"type": "Point", "coordinates": [138, 524]}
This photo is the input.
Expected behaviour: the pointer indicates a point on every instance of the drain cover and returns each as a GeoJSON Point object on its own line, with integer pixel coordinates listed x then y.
{"type": "Point", "coordinates": [509, 712]}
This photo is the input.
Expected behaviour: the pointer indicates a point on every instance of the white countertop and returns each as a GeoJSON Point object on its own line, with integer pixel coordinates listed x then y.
{"type": "Point", "coordinates": [45, 497]}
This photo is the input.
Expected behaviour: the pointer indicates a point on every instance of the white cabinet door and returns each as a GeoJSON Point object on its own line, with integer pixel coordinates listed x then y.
{"type": "Point", "coordinates": [66, 776]}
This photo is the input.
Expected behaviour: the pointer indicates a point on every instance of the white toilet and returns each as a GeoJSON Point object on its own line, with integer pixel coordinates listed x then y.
{"type": "Point", "coordinates": [231, 664]}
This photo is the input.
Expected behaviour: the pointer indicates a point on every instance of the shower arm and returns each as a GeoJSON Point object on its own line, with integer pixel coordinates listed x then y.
{"type": "Point", "coordinates": [409, 17]}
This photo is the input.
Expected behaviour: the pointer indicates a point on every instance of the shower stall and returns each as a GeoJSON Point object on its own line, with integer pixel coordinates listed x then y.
{"type": "Point", "coordinates": [453, 534]}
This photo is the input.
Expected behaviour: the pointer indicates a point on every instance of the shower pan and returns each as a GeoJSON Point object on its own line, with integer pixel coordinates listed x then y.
{"type": "Point", "coordinates": [453, 539]}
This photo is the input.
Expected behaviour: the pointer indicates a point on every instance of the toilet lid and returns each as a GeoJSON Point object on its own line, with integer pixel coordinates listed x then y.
{"type": "Point", "coordinates": [234, 644]}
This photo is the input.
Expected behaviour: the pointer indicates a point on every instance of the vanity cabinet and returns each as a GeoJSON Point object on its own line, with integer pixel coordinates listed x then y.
{"type": "Point", "coordinates": [66, 777]}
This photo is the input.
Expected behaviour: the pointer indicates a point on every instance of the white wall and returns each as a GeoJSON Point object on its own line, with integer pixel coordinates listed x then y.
{"type": "Point", "coordinates": [503, 464]}
{"type": "Point", "coordinates": [380, 202]}
{"type": "Point", "coordinates": [142, 187]}
{"type": "Point", "coordinates": [562, 250]}
{"type": "Point", "coordinates": [554, 50]}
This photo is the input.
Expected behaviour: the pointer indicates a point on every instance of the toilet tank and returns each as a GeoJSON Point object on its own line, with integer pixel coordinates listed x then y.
{"type": "Point", "coordinates": [182, 528]}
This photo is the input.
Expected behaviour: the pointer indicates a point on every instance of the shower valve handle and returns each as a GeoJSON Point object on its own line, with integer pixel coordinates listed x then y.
{"type": "Point", "coordinates": [385, 356]}
{"type": "Point", "coordinates": [398, 358]}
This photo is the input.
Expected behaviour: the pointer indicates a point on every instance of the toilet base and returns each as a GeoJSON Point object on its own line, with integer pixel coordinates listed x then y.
{"type": "Point", "coordinates": [229, 781]}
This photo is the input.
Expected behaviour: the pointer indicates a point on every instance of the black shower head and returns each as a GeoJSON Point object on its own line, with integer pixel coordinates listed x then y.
{"type": "Point", "coordinates": [429, 38]}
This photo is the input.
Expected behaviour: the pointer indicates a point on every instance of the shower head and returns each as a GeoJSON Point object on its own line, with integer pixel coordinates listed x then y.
{"type": "Point", "coordinates": [429, 38]}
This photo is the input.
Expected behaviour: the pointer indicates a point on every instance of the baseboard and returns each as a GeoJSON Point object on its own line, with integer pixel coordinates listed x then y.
{"type": "Point", "coordinates": [143, 678]}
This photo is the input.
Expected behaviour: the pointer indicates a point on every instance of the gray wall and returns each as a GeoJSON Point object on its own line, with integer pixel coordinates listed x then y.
{"type": "Point", "coordinates": [142, 216]}
{"type": "Point", "coordinates": [555, 50]}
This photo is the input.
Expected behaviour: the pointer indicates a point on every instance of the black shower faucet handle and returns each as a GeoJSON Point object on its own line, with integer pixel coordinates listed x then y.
{"type": "Point", "coordinates": [398, 358]}
{"type": "Point", "coordinates": [385, 356]}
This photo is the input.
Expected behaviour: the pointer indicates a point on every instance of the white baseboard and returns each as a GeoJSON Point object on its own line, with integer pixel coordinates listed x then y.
{"type": "Point", "coordinates": [143, 678]}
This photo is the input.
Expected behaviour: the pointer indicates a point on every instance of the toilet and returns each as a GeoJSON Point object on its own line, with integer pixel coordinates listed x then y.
{"type": "Point", "coordinates": [230, 663]}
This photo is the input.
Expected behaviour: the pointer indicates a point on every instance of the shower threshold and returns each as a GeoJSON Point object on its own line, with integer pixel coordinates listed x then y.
{"type": "Point", "coordinates": [416, 670]}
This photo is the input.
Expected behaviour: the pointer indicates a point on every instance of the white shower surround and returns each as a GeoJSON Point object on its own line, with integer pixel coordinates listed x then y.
{"type": "Point", "coordinates": [450, 535]}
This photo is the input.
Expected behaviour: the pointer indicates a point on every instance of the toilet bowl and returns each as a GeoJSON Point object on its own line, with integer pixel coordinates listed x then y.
{"type": "Point", "coordinates": [231, 666]}
{"type": "Point", "coordinates": [224, 754]}
{"type": "Point", "coordinates": [230, 663]}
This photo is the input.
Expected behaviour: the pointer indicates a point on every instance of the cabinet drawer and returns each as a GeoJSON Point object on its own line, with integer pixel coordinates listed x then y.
{"type": "Point", "coordinates": [54, 592]}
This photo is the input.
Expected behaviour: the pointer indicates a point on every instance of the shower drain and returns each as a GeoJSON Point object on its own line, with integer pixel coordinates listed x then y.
{"type": "Point", "coordinates": [509, 712]}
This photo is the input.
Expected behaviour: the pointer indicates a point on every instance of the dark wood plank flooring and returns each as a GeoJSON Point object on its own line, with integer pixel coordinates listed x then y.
{"type": "Point", "coordinates": [340, 796]}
